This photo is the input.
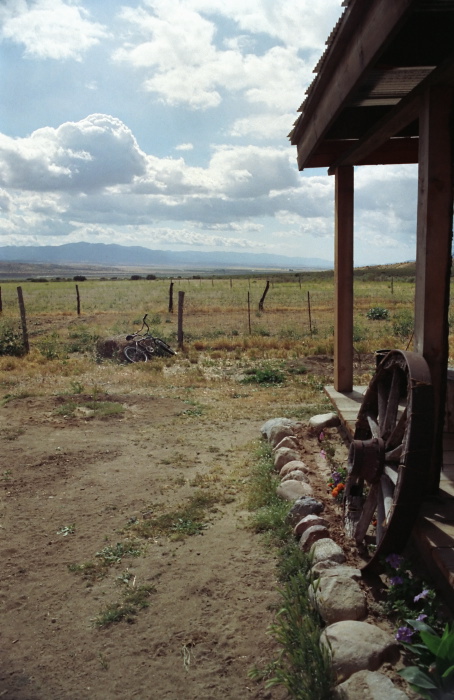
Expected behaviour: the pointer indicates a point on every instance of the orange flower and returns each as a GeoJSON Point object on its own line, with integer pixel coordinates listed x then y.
{"type": "Point", "coordinates": [336, 491]}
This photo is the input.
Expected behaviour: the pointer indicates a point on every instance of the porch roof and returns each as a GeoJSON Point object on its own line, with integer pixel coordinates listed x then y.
{"type": "Point", "coordinates": [363, 105]}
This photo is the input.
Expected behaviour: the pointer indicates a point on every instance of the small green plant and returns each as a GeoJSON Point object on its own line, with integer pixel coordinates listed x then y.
{"type": "Point", "coordinates": [113, 554]}
{"type": "Point", "coordinates": [104, 409]}
{"type": "Point", "coordinates": [304, 664]}
{"type": "Point", "coordinates": [189, 519]}
{"type": "Point", "coordinates": [66, 409]}
{"type": "Point", "coordinates": [408, 595]}
{"type": "Point", "coordinates": [67, 530]}
{"type": "Point", "coordinates": [81, 340]}
{"type": "Point", "coordinates": [195, 410]}
{"type": "Point", "coordinates": [264, 375]}
{"type": "Point", "coordinates": [377, 313]}
{"type": "Point", "coordinates": [10, 341]}
{"type": "Point", "coordinates": [433, 676]}
{"type": "Point", "coordinates": [359, 333]}
{"type": "Point", "coordinates": [76, 387]}
{"type": "Point", "coordinates": [134, 599]}
{"type": "Point", "coordinates": [403, 324]}
{"type": "Point", "coordinates": [50, 346]}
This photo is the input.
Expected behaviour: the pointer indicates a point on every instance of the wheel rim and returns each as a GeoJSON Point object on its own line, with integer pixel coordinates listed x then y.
{"type": "Point", "coordinates": [135, 354]}
{"type": "Point", "coordinates": [390, 456]}
{"type": "Point", "coordinates": [164, 348]}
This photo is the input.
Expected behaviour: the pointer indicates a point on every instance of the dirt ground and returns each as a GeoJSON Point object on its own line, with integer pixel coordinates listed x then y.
{"type": "Point", "coordinates": [206, 624]}
{"type": "Point", "coordinates": [74, 484]}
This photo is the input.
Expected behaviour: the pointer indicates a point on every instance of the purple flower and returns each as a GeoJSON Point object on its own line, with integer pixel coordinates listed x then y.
{"type": "Point", "coordinates": [323, 454]}
{"type": "Point", "coordinates": [421, 595]}
{"type": "Point", "coordinates": [394, 560]}
{"type": "Point", "coordinates": [336, 477]}
{"type": "Point", "coordinates": [321, 436]}
{"type": "Point", "coordinates": [396, 580]}
{"type": "Point", "coordinates": [421, 617]}
{"type": "Point", "coordinates": [404, 634]}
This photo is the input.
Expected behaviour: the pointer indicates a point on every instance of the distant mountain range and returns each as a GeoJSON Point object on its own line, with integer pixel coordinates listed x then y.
{"type": "Point", "coordinates": [138, 256]}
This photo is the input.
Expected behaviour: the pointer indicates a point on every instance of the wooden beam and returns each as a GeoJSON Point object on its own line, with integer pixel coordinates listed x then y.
{"type": "Point", "coordinates": [397, 118]}
{"type": "Point", "coordinates": [343, 280]}
{"type": "Point", "coordinates": [399, 150]}
{"type": "Point", "coordinates": [342, 71]}
{"type": "Point", "coordinates": [433, 256]}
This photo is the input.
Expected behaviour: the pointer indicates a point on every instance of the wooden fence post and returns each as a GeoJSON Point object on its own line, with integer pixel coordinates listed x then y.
{"type": "Point", "coordinates": [249, 311]}
{"type": "Point", "coordinates": [171, 297]}
{"type": "Point", "coordinates": [78, 299]}
{"type": "Point", "coordinates": [180, 318]}
{"type": "Point", "coordinates": [309, 310]}
{"type": "Point", "coordinates": [262, 300]}
{"type": "Point", "coordinates": [23, 319]}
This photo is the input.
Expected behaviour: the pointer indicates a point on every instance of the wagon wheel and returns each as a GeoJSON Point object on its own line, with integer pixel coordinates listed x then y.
{"type": "Point", "coordinates": [390, 456]}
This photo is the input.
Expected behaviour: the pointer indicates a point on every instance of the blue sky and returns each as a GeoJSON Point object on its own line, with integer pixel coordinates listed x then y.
{"type": "Point", "coordinates": [164, 123]}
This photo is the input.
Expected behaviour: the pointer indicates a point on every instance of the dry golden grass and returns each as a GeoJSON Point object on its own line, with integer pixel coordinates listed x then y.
{"type": "Point", "coordinates": [220, 337]}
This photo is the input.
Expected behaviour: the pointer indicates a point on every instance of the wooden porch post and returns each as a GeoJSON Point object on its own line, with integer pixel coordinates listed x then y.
{"type": "Point", "coordinates": [343, 279]}
{"type": "Point", "coordinates": [433, 255]}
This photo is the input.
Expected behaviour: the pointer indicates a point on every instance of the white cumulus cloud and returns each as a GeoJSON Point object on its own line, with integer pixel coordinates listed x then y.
{"type": "Point", "coordinates": [175, 48]}
{"type": "Point", "coordinates": [92, 153]}
{"type": "Point", "coordinates": [49, 28]}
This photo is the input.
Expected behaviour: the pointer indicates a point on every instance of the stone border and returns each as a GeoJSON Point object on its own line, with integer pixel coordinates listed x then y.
{"type": "Point", "coordinates": [359, 649]}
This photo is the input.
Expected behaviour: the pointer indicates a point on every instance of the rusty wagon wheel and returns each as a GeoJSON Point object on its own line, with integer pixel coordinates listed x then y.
{"type": "Point", "coordinates": [390, 455]}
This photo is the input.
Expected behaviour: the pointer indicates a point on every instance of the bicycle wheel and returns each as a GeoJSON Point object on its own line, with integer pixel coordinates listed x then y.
{"type": "Point", "coordinates": [163, 348]}
{"type": "Point", "coordinates": [134, 354]}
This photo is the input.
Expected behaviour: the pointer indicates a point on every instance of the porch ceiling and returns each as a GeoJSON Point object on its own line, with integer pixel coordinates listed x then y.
{"type": "Point", "coordinates": [363, 105]}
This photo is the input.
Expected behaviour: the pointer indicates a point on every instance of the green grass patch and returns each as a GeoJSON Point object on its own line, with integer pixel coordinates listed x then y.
{"type": "Point", "coordinates": [303, 667]}
{"type": "Point", "coordinates": [268, 510]}
{"type": "Point", "coordinates": [109, 556]}
{"type": "Point", "coordinates": [133, 600]}
{"type": "Point", "coordinates": [266, 375]}
{"type": "Point", "coordinates": [191, 518]}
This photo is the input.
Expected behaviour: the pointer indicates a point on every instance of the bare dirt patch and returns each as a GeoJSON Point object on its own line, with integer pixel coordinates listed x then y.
{"type": "Point", "coordinates": [71, 486]}
{"type": "Point", "coordinates": [77, 480]}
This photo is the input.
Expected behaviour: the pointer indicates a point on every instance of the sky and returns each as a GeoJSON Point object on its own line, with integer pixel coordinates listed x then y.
{"type": "Point", "coordinates": [164, 123]}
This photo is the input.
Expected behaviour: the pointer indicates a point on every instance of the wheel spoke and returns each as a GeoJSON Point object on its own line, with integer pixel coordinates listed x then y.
{"type": "Point", "coordinates": [387, 488]}
{"type": "Point", "coordinates": [367, 514]}
{"type": "Point", "coordinates": [394, 455]}
{"type": "Point", "coordinates": [392, 474]}
{"type": "Point", "coordinates": [392, 406]}
{"type": "Point", "coordinates": [373, 425]}
{"type": "Point", "coordinates": [382, 399]}
{"type": "Point", "coordinates": [396, 437]}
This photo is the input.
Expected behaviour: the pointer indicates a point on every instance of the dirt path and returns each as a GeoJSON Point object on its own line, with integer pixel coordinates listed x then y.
{"type": "Point", "coordinates": [207, 618]}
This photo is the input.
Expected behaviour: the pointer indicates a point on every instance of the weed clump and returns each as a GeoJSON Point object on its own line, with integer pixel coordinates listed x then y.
{"type": "Point", "coordinates": [11, 341]}
{"type": "Point", "coordinates": [266, 374]}
{"type": "Point", "coordinates": [377, 313]}
{"type": "Point", "coordinates": [134, 599]}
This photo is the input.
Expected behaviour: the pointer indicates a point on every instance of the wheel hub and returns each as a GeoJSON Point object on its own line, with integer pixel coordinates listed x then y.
{"type": "Point", "coordinates": [367, 457]}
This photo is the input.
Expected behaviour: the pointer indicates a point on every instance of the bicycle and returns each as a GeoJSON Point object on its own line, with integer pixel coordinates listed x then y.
{"type": "Point", "coordinates": [146, 345]}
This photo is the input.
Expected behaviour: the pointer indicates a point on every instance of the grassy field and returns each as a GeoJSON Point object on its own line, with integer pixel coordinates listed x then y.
{"type": "Point", "coordinates": [297, 320]}
{"type": "Point", "coordinates": [215, 307]}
